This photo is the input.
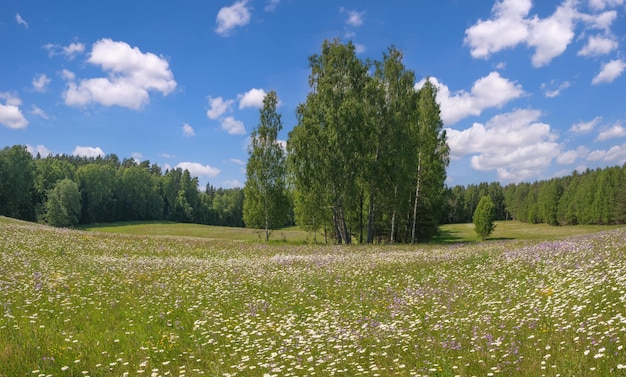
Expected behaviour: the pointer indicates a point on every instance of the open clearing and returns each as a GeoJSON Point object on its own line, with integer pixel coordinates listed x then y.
{"type": "Point", "coordinates": [96, 304]}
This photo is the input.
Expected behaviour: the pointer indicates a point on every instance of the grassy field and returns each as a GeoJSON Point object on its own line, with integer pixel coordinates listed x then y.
{"type": "Point", "coordinates": [160, 228]}
{"type": "Point", "coordinates": [505, 230]}
{"type": "Point", "coordinates": [78, 303]}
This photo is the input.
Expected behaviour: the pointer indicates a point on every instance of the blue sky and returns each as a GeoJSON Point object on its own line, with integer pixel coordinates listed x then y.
{"type": "Point", "coordinates": [528, 89]}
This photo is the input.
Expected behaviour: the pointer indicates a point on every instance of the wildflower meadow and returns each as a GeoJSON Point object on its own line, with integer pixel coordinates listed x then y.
{"type": "Point", "coordinates": [76, 303]}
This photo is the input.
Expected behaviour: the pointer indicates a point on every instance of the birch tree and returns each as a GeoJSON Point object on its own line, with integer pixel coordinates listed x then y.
{"type": "Point", "coordinates": [266, 203]}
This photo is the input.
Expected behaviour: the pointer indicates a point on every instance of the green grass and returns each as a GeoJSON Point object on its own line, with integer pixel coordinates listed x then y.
{"type": "Point", "coordinates": [77, 303]}
{"type": "Point", "coordinates": [515, 230]}
{"type": "Point", "coordinates": [159, 228]}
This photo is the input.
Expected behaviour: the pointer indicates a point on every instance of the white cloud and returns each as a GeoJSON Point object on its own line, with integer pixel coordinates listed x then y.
{"type": "Point", "coordinates": [583, 127]}
{"type": "Point", "coordinates": [88, 151]}
{"type": "Point", "coordinates": [41, 149]}
{"type": "Point", "coordinates": [554, 89]}
{"type": "Point", "coordinates": [196, 169]}
{"type": "Point", "coordinates": [237, 161]}
{"type": "Point", "coordinates": [132, 75]}
{"type": "Point", "coordinates": [596, 155]}
{"type": "Point", "coordinates": [252, 98]}
{"type": "Point", "coordinates": [70, 51]}
{"type": "Point", "coordinates": [355, 18]}
{"type": "Point", "coordinates": [167, 155]}
{"type": "Point", "coordinates": [40, 83]}
{"type": "Point", "coordinates": [188, 130]}
{"type": "Point", "coordinates": [610, 71]}
{"type": "Point", "coordinates": [136, 156]}
{"type": "Point", "coordinates": [230, 17]}
{"type": "Point", "coordinates": [616, 154]}
{"type": "Point", "coordinates": [68, 75]}
{"type": "Point", "coordinates": [507, 28]}
{"type": "Point", "coordinates": [569, 157]}
{"type": "Point", "coordinates": [359, 48]}
{"type": "Point", "coordinates": [218, 106]}
{"type": "Point", "coordinates": [10, 113]}
{"type": "Point", "coordinates": [511, 24]}
{"type": "Point", "coordinates": [514, 144]}
{"type": "Point", "coordinates": [39, 112]}
{"type": "Point", "coordinates": [20, 20]}
{"type": "Point", "coordinates": [551, 36]}
{"type": "Point", "coordinates": [601, 4]}
{"type": "Point", "coordinates": [598, 45]}
{"type": "Point", "coordinates": [233, 126]}
{"type": "Point", "coordinates": [271, 5]}
{"type": "Point", "coordinates": [613, 132]}
{"type": "Point", "coordinates": [490, 91]}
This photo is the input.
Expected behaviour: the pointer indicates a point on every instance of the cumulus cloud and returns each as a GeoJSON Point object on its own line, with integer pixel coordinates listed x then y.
{"type": "Point", "coordinates": [136, 156]}
{"type": "Point", "coordinates": [218, 107]}
{"type": "Point", "coordinates": [507, 28]}
{"type": "Point", "coordinates": [40, 83]}
{"type": "Point", "coordinates": [252, 98]}
{"type": "Point", "coordinates": [88, 151]}
{"type": "Point", "coordinates": [612, 132]}
{"type": "Point", "coordinates": [132, 76]}
{"type": "Point", "coordinates": [598, 45]}
{"type": "Point", "coordinates": [233, 126]}
{"type": "Point", "coordinates": [582, 127]}
{"type": "Point", "coordinates": [39, 149]}
{"type": "Point", "coordinates": [511, 24]}
{"type": "Point", "coordinates": [354, 18]}
{"type": "Point", "coordinates": [20, 20]}
{"type": "Point", "coordinates": [197, 169]}
{"type": "Point", "coordinates": [188, 130]}
{"type": "Point", "coordinates": [70, 51]}
{"type": "Point", "coordinates": [616, 154]}
{"type": "Point", "coordinates": [10, 113]}
{"type": "Point", "coordinates": [570, 156]}
{"type": "Point", "coordinates": [39, 112]}
{"type": "Point", "coordinates": [514, 144]}
{"type": "Point", "coordinates": [231, 17]}
{"type": "Point", "coordinates": [490, 91]}
{"type": "Point", "coordinates": [609, 72]}
{"type": "Point", "coordinates": [237, 161]}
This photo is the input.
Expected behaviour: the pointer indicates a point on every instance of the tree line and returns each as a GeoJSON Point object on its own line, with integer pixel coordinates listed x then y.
{"type": "Point", "coordinates": [590, 197]}
{"type": "Point", "coordinates": [64, 190]}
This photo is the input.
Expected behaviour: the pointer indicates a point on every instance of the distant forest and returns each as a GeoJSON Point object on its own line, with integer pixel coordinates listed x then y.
{"type": "Point", "coordinates": [113, 190]}
{"type": "Point", "coordinates": [108, 190]}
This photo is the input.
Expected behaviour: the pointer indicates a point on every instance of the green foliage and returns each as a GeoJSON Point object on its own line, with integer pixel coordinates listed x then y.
{"type": "Point", "coordinates": [484, 218]}
{"type": "Point", "coordinates": [17, 183]}
{"type": "Point", "coordinates": [63, 206]}
{"type": "Point", "coordinates": [364, 144]}
{"type": "Point", "coordinates": [266, 204]}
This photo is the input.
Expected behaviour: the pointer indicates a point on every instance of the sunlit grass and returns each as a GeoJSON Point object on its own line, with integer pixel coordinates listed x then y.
{"type": "Point", "coordinates": [77, 303]}
{"type": "Point", "coordinates": [157, 228]}
{"type": "Point", "coordinates": [515, 230]}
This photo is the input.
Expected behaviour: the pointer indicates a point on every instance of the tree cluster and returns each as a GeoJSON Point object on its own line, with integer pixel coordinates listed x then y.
{"type": "Point", "coordinates": [64, 190]}
{"type": "Point", "coordinates": [368, 156]}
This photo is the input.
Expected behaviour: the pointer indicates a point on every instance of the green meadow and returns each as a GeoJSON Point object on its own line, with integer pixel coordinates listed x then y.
{"type": "Point", "coordinates": [179, 300]}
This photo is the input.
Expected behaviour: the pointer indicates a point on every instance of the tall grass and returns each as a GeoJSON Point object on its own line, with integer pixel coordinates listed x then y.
{"type": "Point", "coordinates": [77, 303]}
